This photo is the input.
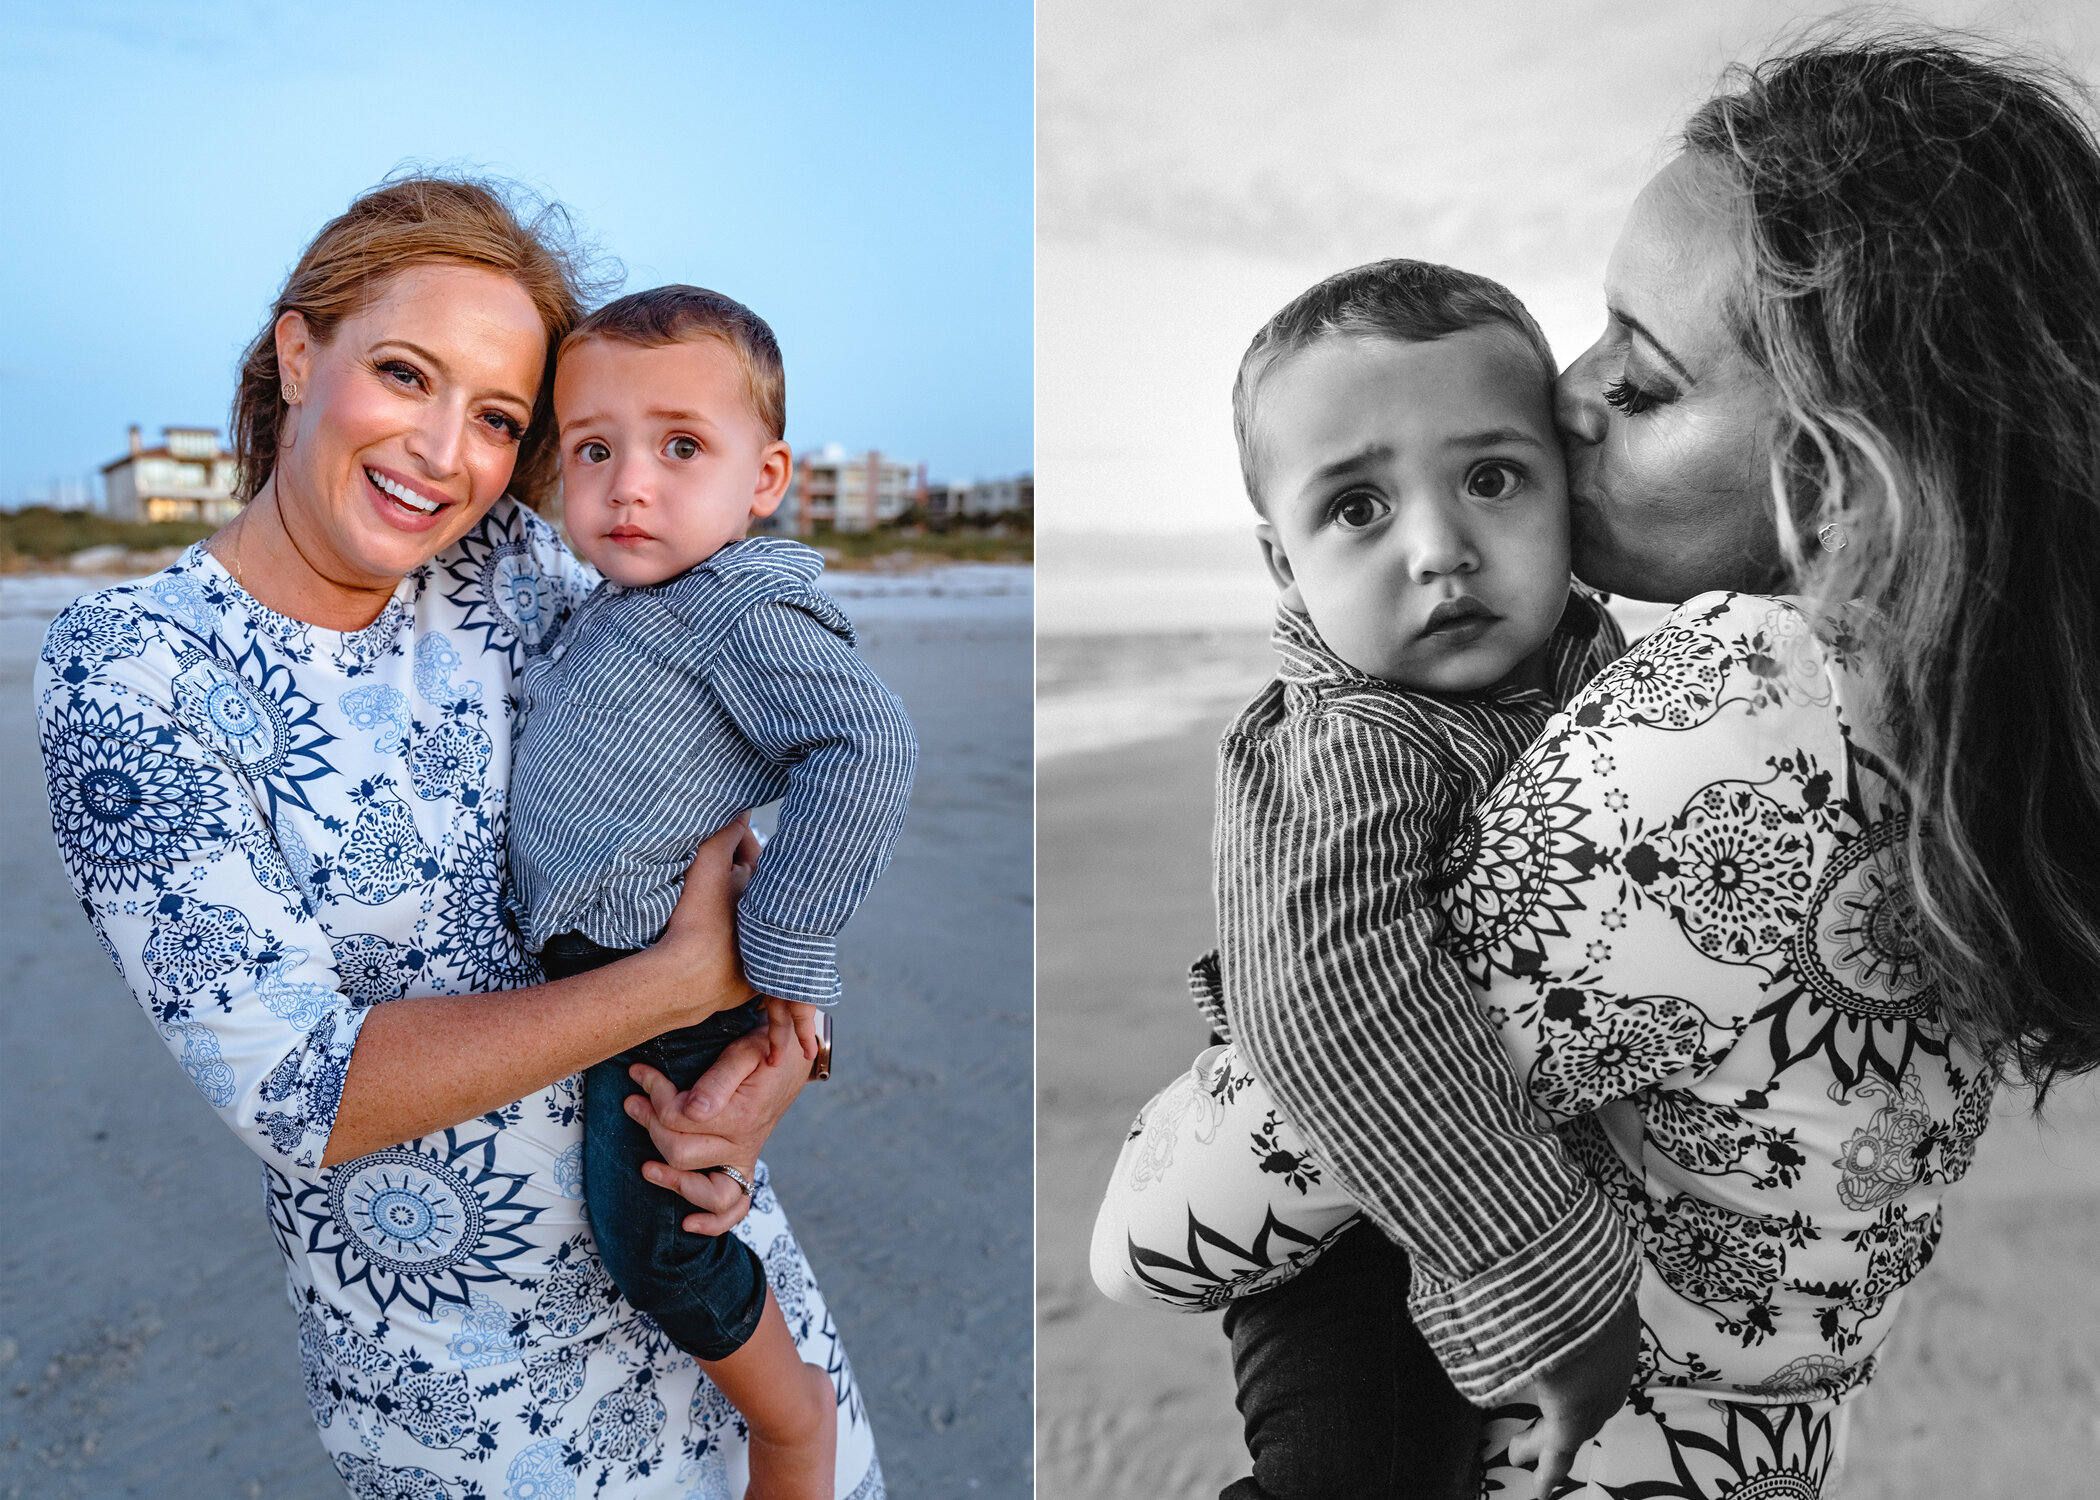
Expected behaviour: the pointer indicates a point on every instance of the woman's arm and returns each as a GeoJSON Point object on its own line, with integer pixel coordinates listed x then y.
{"type": "Point", "coordinates": [427, 1063]}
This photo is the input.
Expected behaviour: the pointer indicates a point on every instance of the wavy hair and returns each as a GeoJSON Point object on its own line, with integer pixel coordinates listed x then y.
{"type": "Point", "coordinates": [1921, 232]}
{"type": "Point", "coordinates": [421, 219]}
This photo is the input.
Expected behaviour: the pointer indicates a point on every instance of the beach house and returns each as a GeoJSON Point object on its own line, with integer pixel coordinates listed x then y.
{"type": "Point", "coordinates": [189, 477]}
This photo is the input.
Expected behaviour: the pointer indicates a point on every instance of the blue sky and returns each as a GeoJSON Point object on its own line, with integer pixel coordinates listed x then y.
{"type": "Point", "coordinates": [859, 174]}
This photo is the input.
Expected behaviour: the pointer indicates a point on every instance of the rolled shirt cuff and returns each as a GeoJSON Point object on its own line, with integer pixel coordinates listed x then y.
{"type": "Point", "coordinates": [793, 965]}
{"type": "Point", "coordinates": [1496, 1332]}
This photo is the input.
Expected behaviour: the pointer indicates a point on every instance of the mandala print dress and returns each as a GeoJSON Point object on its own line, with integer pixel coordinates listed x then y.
{"type": "Point", "coordinates": [276, 827]}
{"type": "Point", "coordinates": [1678, 909]}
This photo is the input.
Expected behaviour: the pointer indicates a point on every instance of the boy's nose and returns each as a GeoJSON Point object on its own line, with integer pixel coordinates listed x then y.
{"type": "Point", "coordinates": [1437, 544]}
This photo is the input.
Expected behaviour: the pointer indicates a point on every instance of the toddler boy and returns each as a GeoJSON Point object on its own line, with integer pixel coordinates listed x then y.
{"type": "Point", "coordinates": [705, 676]}
{"type": "Point", "coordinates": [1396, 437]}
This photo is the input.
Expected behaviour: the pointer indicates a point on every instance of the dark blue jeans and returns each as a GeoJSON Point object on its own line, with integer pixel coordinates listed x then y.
{"type": "Point", "coordinates": [1341, 1398]}
{"type": "Point", "coordinates": [705, 1291]}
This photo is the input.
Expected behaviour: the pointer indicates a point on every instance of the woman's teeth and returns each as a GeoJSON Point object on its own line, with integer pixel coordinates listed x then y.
{"type": "Point", "coordinates": [401, 492]}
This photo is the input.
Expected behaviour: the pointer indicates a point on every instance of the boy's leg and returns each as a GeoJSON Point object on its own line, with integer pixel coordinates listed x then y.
{"type": "Point", "coordinates": [790, 1407]}
{"type": "Point", "coordinates": [1340, 1396]}
{"type": "Point", "coordinates": [705, 1291]}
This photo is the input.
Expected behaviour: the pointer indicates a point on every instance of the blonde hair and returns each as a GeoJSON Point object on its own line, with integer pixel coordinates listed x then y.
{"type": "Point", "coordinates": [1921, 226]}
{"type": "Point", "coordinates": [423, 219]}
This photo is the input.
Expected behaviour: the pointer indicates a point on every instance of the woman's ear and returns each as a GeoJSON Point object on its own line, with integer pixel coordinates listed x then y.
{"type": "Point", "coordinates": [295, 353]}
{"type": "Point", "coordinates": [1279, 564]}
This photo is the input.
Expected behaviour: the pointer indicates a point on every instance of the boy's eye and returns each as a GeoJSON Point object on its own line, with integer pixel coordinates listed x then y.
{"type": "Point", "coordinates": [1494, 481]}
{"type": "Point", "coordinates": [1357, 509]}
{"type": "Point", "coordinates": [594, 452]}
{"type": "Point", "coordinates": [681, 448]}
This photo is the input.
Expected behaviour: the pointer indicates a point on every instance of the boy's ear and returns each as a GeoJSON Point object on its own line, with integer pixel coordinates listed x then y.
{"type": "Point", "coordinates": [776, 466]}
{"type": "Point", "coordinates": [1279, 563]}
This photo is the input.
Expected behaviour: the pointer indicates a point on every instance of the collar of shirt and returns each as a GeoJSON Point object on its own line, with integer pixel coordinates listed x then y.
{"type": "Point", "coordinates": [1308, 661]}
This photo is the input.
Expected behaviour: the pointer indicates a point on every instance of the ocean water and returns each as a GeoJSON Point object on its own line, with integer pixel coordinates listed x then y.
{"type": "Point", "coordinates": [1140, 638]}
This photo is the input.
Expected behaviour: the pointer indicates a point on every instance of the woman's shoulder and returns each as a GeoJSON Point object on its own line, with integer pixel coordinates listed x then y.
{"type": "Point", "coordinates": [514, 578]}
{"type": "Point", "coordinates": [1722, 660]}
{"type": "Point", "coordinates": [178, 609]}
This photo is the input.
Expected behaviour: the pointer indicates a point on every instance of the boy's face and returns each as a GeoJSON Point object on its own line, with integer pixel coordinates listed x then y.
{"type": "Point", "coordinates": [1417, 503]}
{"type": "Point", "coordinates": [663, 461]}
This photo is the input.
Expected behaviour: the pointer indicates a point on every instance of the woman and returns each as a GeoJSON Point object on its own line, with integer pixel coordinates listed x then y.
{"type": "Point", "coordinates": [278, 773]}
{"type": "Point", "coordinates": [1764, 912]}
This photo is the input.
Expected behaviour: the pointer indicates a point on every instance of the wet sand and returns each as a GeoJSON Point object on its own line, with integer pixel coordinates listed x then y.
{"type": "Point", "coordinates": [1990, 1385]}
{"type": "Point", "coordinates": [146, 1346]}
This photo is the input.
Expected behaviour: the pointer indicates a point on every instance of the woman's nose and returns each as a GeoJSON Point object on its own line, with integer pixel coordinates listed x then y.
{"type": "Point", "coordinates": [1578, 402]}
{"type": "Point", "coordinates": [439, 439]}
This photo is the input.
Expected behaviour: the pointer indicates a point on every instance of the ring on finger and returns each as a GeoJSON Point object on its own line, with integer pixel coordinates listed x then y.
{"type": "Point", "coordinates": [736, 1177]}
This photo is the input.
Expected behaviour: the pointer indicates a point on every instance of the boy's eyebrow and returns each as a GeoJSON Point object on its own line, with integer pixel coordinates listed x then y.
{"type": "Point", "coordinates": [1653, 342]}
{"type": "Point", "coordinates": [1493, 437]}
{"type": "Point", "coordinates": [660, 413]}
{"type": "Point", "coordinates": [1362, 458]}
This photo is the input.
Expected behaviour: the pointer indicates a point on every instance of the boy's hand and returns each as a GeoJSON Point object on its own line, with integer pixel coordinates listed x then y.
{"type": "Point", "coordinates": [1578, 1397]}
{"type": "Point", "coordinates": [808, 1021]}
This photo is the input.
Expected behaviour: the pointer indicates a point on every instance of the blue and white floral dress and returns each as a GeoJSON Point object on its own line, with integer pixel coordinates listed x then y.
{"type": "Point", "coordinates": [275, 827]}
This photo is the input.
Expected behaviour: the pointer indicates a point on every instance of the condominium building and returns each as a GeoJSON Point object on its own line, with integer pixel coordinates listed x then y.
{"type": "Point", "coordinates": [836, 491]}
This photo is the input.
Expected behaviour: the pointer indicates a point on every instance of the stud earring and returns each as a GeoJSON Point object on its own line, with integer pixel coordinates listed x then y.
{"type": "Point", "coordinates": [1831, 536]}
{"type": "Point", "coordinates": [291, 392]}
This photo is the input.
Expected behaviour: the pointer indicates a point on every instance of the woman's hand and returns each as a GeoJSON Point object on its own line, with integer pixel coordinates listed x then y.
{"type": "Point", "coordinates": [723, 1120]}
{"type": "Point", "coordinates": [700, 937]}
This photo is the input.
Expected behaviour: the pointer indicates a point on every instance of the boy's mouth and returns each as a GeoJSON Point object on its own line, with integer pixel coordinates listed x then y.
{"type": "Point", "coordinates": [402, 494]}
{"type": "Point", "coordinates": [1464, 615]}
{"type": "Point", "coordinates": [629, 534]}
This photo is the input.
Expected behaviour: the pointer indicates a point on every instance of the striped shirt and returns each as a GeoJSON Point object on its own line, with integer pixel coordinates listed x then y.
{"type": "Point", "coordinates": [660, 714]}
{"type": "Point", "coordinates": [1342, 810]}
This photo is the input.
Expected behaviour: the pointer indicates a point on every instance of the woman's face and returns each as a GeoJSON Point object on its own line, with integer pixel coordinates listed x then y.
{"type": "Point", "coordinates": [407, 421]}
{"type": "Point", "coordinates": [1668, 427]}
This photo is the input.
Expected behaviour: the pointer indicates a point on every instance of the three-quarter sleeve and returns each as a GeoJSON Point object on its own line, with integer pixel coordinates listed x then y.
{"type": "Point", "coordinates": [800, 694]}
{"type": "Point", "coordinates": [1374, 1046]}
{"type": "Point", "coordinates": [185, 883]}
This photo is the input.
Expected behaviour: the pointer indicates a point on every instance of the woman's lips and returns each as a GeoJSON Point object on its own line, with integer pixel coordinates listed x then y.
{"type": "Point", "coordinates": [408, 506]}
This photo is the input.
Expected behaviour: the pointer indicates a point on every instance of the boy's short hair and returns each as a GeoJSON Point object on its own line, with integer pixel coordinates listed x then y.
{"type": "Point", "coordinates": [1412, 301]}
{"type": "Point", "coordinates": [673, 314]}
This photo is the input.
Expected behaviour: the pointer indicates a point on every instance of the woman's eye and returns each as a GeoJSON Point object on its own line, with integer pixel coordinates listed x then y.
{"type": "Point", "coordinates": [1354, 512]}
{"type": "Point", "coordinates": [1628, 399]}
{"type": "Point", "coordinates": [505, 424]}
{"type": "Point", "coordinates": [401, 374]}
{"type": "Point", "coordinates": [1494, 481]}
{"type": "Point", "coordinates": [681, 448]}
{"type": "Point", "coordinates": [593, 452]}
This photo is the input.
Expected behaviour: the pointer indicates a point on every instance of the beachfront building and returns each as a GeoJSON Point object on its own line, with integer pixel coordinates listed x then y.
{"type": "Point", "coordinates": [942, 504]}
{"type": "Point", "coordinates": [999, 497]}
{"type": "Point", "coordinates": [833, 490]}
{"type": "Point", "coordinates": [189, 477]}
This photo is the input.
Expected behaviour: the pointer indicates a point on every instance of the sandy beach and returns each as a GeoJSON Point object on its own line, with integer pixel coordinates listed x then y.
{"type": "Point", "coordinates": [1990, 1385]}
{"type": "Point", "coordinates": [146, 1346]}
